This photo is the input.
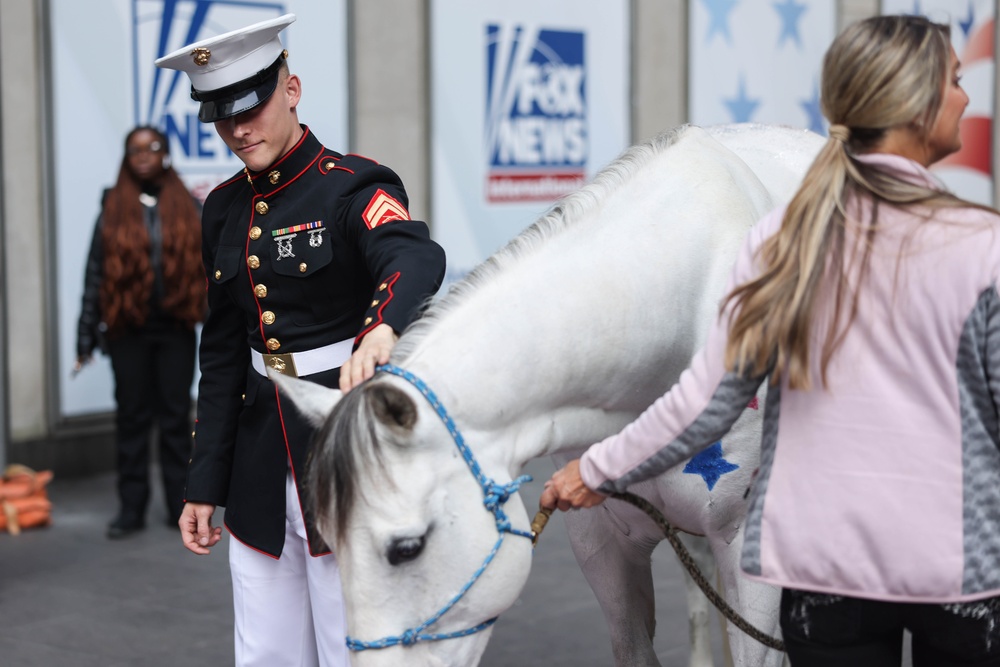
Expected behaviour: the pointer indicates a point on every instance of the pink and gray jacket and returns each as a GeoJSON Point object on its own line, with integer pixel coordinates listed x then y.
{"type": "Point", "coordinates": [885, 484]}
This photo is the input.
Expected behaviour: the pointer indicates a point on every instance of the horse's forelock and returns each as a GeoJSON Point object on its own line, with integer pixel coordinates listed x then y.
{"type": "Point", "coordinates": [562, 215]}
{"type": "Point", "coordinates": [346, 451]}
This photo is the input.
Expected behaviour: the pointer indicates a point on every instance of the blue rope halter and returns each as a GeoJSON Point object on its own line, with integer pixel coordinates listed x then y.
{"type": "Point", "coordinates": [494, 497]}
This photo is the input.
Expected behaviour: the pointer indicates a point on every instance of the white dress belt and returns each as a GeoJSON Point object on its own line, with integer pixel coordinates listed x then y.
{"type": "Point", "coordinates": [301, 364]}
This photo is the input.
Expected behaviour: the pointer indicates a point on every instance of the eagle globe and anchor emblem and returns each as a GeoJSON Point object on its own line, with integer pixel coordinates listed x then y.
{"type": "Point", "coordinates": [201, 56]}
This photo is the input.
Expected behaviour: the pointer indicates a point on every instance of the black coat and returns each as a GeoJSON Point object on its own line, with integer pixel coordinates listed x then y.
{"type": "Point", "coordinates": [331, 281]}
{"type": "Point", "coordinates": [91, 330]}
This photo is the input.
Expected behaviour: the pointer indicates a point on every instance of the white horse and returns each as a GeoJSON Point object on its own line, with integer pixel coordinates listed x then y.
{"type": "Point", "coordinates": [558, 340]}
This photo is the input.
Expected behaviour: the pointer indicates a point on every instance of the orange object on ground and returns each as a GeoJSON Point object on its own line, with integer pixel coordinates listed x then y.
{"type": "Point", "coordinates": [24, 502]}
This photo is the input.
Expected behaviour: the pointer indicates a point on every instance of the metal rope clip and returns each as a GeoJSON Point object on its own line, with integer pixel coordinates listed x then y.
{"type": "Point", "coordinates": [538, 523]}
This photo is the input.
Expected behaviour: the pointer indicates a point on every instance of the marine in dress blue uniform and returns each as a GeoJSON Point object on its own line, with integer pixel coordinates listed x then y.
{"type": "Point", "coordinates": [304, 257]}
{"type": "Point", "coordinates": [312, 252]}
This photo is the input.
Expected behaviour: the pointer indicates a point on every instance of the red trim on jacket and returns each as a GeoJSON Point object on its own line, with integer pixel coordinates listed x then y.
{"type": "Point", "coordinates": [293, 178]}
{"type": "Point", "coordinates": [389, 282]}
{"type": "Point", "coordinates": [246, 265]}
{"type": "Point", "coordinates": [332, 158]}
{"type": "Point", "coordinates": [263, 553]}
{"type": "Point", "coordinates": [288, 452]}
{"type": "Point", "coordinates": [272, 167]}
{"type": "Point", "coordinates": [238, 177]}
{"type": "Point", "coordinates": [363, 157]}
{"type": "Point", "coordinates": [246, 248]}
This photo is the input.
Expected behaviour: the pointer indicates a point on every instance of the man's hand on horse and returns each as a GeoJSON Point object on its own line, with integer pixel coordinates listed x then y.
{"type": "Point", "coordinates": [566, 490]}
{"type": "Point", "coordinates": [374, 350]}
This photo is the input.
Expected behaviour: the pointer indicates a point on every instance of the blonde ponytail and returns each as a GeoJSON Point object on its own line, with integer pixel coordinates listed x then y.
{"type": "Point", "coordinates": [772, 327]}
{"type": "Point", "coordinates": [881, 73]}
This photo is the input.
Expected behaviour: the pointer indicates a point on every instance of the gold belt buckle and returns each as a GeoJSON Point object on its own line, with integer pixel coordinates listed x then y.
{"type": "Point", "coordinates": [281, 363]}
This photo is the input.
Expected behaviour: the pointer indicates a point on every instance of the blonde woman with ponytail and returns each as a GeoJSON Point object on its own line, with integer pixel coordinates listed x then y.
{"type": "Point", "coordinates": [870, 306]}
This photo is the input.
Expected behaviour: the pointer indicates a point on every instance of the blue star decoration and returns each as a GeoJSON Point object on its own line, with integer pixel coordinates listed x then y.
{"type": "Point", "coordinates": [718, 11]}
{"type": "Point", "coordinates": [741, 107]}
{"type": "Point", "coordinates": [710, 464]}
{"type": "Point", "coordinates": [790, 13]}
{"type": "Point", "coordinates": [967, 24]}
{"type": "Point", "coordinates": [811, 107]}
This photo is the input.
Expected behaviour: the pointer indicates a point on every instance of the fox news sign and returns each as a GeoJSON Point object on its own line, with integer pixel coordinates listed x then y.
{"type": "Point", "coordinates": [515, 126]}
{"type": "Point", "coordinates": [103, 83]}
{"type": "Point", "coordinates": [536, 110]}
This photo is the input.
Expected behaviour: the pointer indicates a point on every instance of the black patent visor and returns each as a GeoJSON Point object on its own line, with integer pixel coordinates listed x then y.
{"type": "Point", "coordinates": [238, 97]}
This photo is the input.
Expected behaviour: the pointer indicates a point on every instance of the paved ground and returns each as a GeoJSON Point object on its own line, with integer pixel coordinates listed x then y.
{"type": "Point", "coordinates": [70, 597]}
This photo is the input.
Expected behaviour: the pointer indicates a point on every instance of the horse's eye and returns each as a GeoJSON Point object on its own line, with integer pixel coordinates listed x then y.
{"type": "Point", "coordinates": [405, 549]}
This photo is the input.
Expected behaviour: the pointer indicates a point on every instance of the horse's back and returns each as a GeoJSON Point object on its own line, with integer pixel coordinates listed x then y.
{"type": "Point", "coordinates": [716, 180]}
{"type": "Point", "coordinates": [777, 154]}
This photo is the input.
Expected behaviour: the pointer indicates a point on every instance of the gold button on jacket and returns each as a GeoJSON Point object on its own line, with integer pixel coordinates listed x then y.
{"type": "Point", "coordinates": [261, 207]}
{"type": "Point", "coordinates": [255, 233]}
{"type": "Point", "coordinates": [253, 262]}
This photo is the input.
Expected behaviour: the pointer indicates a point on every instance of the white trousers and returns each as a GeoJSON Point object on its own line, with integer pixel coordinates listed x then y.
{"type": "Point", "coordinates": [289, 611]}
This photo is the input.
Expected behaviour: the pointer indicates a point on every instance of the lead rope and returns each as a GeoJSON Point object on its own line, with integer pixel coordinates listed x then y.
{"type": "Point", "coordinates": [494, 497]}
{"type": "Point", "coordinates": [542, 517]}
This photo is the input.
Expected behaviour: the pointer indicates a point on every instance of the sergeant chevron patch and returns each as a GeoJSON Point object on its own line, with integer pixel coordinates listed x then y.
{"type": "Point", "coordinates": [384, 208]}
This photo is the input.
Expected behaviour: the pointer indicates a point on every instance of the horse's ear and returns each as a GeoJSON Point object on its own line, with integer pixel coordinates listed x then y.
{"type": "Point", "coordinates": [314, 401]}
{"type": "Point", "coordinates": [392, 406]}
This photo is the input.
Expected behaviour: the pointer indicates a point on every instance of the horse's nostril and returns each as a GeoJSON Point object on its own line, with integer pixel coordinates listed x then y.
{"type": "Point", "coordinates": [405, 549]}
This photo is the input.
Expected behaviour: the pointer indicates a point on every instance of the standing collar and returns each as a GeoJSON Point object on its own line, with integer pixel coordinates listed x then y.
{"type": "Point", "coordinates": [289, 166]}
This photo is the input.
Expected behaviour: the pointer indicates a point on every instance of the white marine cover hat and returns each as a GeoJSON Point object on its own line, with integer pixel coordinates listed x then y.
{"type": "Point", "coordinates": [233, 72]}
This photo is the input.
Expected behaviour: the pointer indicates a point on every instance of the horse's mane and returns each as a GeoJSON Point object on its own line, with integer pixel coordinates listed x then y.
{"type": "Point", "coordinates": [561, 216]}
{"type": "Point", "coordinates": [346, 447]}
{"type": "Point", "coordinates": [343, 449]}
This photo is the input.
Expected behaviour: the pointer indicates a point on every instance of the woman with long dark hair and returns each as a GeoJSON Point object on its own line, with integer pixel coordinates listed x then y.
{"type": "Point", "coordinates": [144, 292]}
{"type": "Point", "coordinates": [870, 305]}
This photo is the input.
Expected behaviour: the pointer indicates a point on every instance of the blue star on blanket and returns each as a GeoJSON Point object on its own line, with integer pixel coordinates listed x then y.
{"type": "Point", "coordinates": [710, 465]}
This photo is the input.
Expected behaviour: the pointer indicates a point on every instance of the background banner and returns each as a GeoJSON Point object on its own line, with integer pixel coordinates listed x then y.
{"type": "Point", "coordinates": [103, 83]}
{"type": "Point", "coordinates": [758, 61]}
{"type": "Point", "coordinates": [529, 100]}
{"type": "Point", "coordinates": [968, 173]}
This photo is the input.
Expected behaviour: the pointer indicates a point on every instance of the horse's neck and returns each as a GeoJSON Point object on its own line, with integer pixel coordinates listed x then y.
{"type": "Point", "coordinates": [579, 334]}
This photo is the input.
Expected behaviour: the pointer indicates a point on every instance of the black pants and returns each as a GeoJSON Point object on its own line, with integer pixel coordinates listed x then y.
{"type": "Point", "coordinates": [153, 374]}
{"type": "Point", "coordinates": [826, 630]}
